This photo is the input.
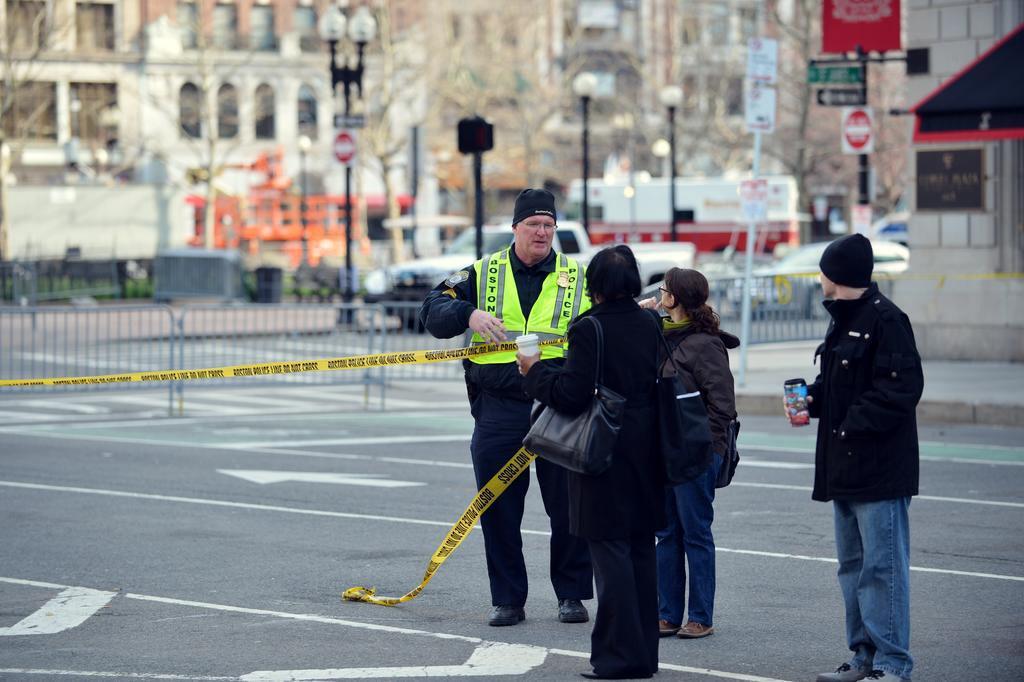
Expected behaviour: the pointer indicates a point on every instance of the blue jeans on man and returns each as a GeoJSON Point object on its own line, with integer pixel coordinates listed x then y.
{"type": "Point", "coordinates": [688, 539]}
{"type": "Point", "coordinates": [873, 547]}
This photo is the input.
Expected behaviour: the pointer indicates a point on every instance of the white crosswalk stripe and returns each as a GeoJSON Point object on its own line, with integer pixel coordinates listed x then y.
{"type": "Point", "coordinates": [228, 402]}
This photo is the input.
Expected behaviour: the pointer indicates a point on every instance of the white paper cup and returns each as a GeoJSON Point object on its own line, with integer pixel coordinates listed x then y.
{"type": "Point", "coordinates": [528, 344]}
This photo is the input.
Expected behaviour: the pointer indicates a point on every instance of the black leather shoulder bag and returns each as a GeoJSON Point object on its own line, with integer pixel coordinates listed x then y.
{"type": "Point", "coordinates": [584, 443]}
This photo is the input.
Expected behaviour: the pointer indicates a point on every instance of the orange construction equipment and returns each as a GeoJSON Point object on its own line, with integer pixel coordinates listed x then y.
{"type": "Point", "coordinates": [272, 218]}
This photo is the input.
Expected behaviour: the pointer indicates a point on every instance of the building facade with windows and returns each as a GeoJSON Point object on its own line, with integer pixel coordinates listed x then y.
{"type": "Point", "coordinates": [966, 190]}
{"type": "Point", "coordinates": [134, 85]}
{"type": "Point", "coordinates": [142, 91]}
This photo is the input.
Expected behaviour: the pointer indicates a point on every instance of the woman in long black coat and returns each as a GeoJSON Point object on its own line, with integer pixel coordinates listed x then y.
{"type": "Point", "coordinates": [618, 511]}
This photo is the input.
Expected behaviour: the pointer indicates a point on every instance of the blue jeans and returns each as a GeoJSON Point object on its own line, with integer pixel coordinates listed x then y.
{"type": "Point", "coordinates": [873, 546]}
{"type": "Point", "coordinates": [688, 534]}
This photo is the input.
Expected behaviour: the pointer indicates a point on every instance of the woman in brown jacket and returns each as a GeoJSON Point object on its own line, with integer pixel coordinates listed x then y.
{"type": "Point", "coordinates": [699, 349]}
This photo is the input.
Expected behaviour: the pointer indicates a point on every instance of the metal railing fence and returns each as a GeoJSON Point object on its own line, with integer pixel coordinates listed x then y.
{"type": "Point", "coordinates": [38, 342]}
{"type": "Point", "coordinates": [783, 307]}
{"type": "Point", "coordinates": [74, 341]}
{"type": "Point", "coordinates": [30, 282]}
{"type": "Point", "coordinates": [404, 333]}
{"type": "Point", "coordinates": [225, 335]}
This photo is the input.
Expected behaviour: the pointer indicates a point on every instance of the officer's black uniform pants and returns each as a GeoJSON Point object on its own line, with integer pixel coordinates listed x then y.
{"type": "Point", "coordinates": [501, 424]}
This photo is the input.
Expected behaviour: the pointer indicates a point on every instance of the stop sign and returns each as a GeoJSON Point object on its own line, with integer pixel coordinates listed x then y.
{"type": "Point", "coordinates": [345, 146]}
{"type": "Point", "coordinates": [856, 129]}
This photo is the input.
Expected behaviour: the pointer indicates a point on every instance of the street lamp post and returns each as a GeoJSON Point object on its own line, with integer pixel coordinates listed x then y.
{"type": "Point", "coordinates": [305, 144]}
{"type": "Point", "coordinates": [672, 97]}
{"type": "Point", "coordinates": [584, 85]}
{"type": "Point", "coordinates": [624, 138]}
{"type": "Point", "coordinates": [362, 28]}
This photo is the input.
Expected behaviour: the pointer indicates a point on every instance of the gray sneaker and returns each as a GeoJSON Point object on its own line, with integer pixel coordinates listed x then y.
{"type": "Point", "coordinates": [883, 676]}
{"type": "Point", "coordinates": [845, 673]}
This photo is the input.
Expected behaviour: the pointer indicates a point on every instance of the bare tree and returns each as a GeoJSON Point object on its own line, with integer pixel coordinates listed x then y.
{"type": "Point", "coordinates": [27, 106]}
{"type": "Point", "coordinates": [889, 161]}
{"type": "Point", "coordinates": [203, 112]}
{"type": "Point", "coordinates": [392, 109]}
{"type": "Point", "coordinates": [490, 60]}
{"type": "Point", "coordinates": [805, 138]}
{"type": "Point", "coordinates": [806, 141]}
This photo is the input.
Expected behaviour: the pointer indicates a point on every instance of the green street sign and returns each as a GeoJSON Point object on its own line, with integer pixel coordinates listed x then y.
{"type": "Point", "coordinates": [833, 75]}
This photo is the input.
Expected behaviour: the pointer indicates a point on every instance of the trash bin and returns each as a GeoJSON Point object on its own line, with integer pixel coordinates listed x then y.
{"type": "Point", "coordinates": [269, 283]}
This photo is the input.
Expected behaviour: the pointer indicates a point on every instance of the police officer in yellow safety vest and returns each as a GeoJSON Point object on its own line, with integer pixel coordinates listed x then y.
{"type": "Point", "coordinates": [525, 288]}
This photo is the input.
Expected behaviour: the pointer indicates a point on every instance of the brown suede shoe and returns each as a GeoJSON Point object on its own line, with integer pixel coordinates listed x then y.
{"type": "Point", "coordinates": [695, 630]}
{"type": "Point", "coordinates": [666, 629]}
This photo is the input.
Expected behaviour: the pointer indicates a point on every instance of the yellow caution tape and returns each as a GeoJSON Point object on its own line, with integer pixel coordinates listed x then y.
{"type": "Point", "coordinates": [266, 369]}
{"type": "Point", "coordinates": [485, 497]}
{"type": "Point", "coordinates": [783, 290]}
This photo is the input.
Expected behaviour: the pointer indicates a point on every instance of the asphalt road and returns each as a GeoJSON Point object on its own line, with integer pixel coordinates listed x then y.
{"type": "Point", "coordinates": [132, 546]}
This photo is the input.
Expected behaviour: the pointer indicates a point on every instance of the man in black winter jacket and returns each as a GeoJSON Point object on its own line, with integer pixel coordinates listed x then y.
{"type": "Point", "coordinates": [866, 459]}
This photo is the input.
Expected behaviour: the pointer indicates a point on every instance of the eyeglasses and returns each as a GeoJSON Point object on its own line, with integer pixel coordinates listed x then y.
{"type": "Point", "coordinates": [538, 226]}
{"type": "Point", "coordinates": [664, 290]}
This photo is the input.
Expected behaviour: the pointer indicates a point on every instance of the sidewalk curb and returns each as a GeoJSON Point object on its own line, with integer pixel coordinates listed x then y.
{"type": "Point", "coordinates": [928, 411]}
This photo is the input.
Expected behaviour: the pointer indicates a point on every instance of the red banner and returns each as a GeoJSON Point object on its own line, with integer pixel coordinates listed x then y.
{"type": "Point", "coordinates": [872, 24]}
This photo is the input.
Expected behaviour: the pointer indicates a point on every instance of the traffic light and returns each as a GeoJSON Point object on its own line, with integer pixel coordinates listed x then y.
{"type": "Point", "coordinates": [475, 135]}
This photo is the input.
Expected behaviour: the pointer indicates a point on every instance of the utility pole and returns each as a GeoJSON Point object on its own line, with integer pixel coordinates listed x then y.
{"type": "Point", "coordinates": [5, 167]}
{"type": "Point", "coordinates": [863, 160]}
{"type": "Point", "coordinates": [762, 72]}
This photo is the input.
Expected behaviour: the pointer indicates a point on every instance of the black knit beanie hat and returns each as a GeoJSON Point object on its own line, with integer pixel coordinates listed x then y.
{"type": "Point", "coordinates": [849, 261]}
{"type": "Point", "coordinates": [533, 202]}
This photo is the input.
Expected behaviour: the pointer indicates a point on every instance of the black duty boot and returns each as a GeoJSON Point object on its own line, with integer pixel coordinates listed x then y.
{"type": "Point", "coordinates": [506, 615]}
{"type": "Point", "coordinates": [572, 611]}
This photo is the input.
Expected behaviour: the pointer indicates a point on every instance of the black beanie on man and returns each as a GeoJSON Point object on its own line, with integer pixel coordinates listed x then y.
{"type": "Point", "coordinates": [849, 261]}
{"type": "Point", "coordinates": [533, 202]}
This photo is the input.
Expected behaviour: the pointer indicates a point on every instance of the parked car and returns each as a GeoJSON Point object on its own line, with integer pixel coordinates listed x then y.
{"type": "Point", "coordinates": [890, 257]}
{"type": "Point", "coordinates": [792, 280]}
{"type": "Point", "coordinates": [892, 227]}
{"type": "Point", "coordinates": [412, 280]}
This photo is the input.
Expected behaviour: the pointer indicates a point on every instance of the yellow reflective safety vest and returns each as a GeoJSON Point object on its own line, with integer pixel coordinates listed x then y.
{"type": "Point", "coordinates": [561, 299]}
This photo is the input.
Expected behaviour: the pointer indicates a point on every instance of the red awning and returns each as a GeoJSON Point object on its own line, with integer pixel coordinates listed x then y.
{"type": "Point", "coordinates": [984, 101]}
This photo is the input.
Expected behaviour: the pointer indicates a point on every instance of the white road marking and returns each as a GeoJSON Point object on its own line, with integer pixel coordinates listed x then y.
{"type": "Point", "coordinates": [829, 560]}
{"type": "Point", "coordinates": [205, 407]}
{"type": "Point", "coordinates": [265, 477]}
{"type": "Point", "coordinates": [13, 415]}
{"type": "Point", "coordinates": [229, 504]}
{"type": "Point", "coordinates": [326, 413]}
{"type": "Point", "coordinates": [424, 462]}
{"type": "Point", "coordinates": [370, 440]}
{"type": "Point", "coordinates": [766, 464]}
{"type": "Point", "coordinates": [681, 668]}
{"type": "Point", "coordinates": [489, 659]}
{"type": "Point", "coordinates": [424, 522]}
{"type": "Point", "coordinates": [78, 435]}
{"type": "Point", "coordinates": [809, 450]}
{"type": "Point", "coordinates": [69, 609]}
{"type": "Point", "coordinates": [116, 675]}
{"type": "Point", "coordinates": [376, 627]}
{"type": "Point", "coordinates": [393, 402]}
{"type": "Point", "coordinates": [270, 448]}
{"type": "Point", "coordinates": [79, 407]}
{"type": "Point", "coordinates": [931, 498]}
{"type": "Point", "coordinates": [268, 403]}
{"type": "Point", "coordinates": [366, 458]}
{"type": "Point", "coordinates": [54, 359]}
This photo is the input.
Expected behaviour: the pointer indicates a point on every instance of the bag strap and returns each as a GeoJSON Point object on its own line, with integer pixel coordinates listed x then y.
{"type": "Point", "coordinates": [600, 351]}
{"type": "Point", "coordinates": [664, 344]}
